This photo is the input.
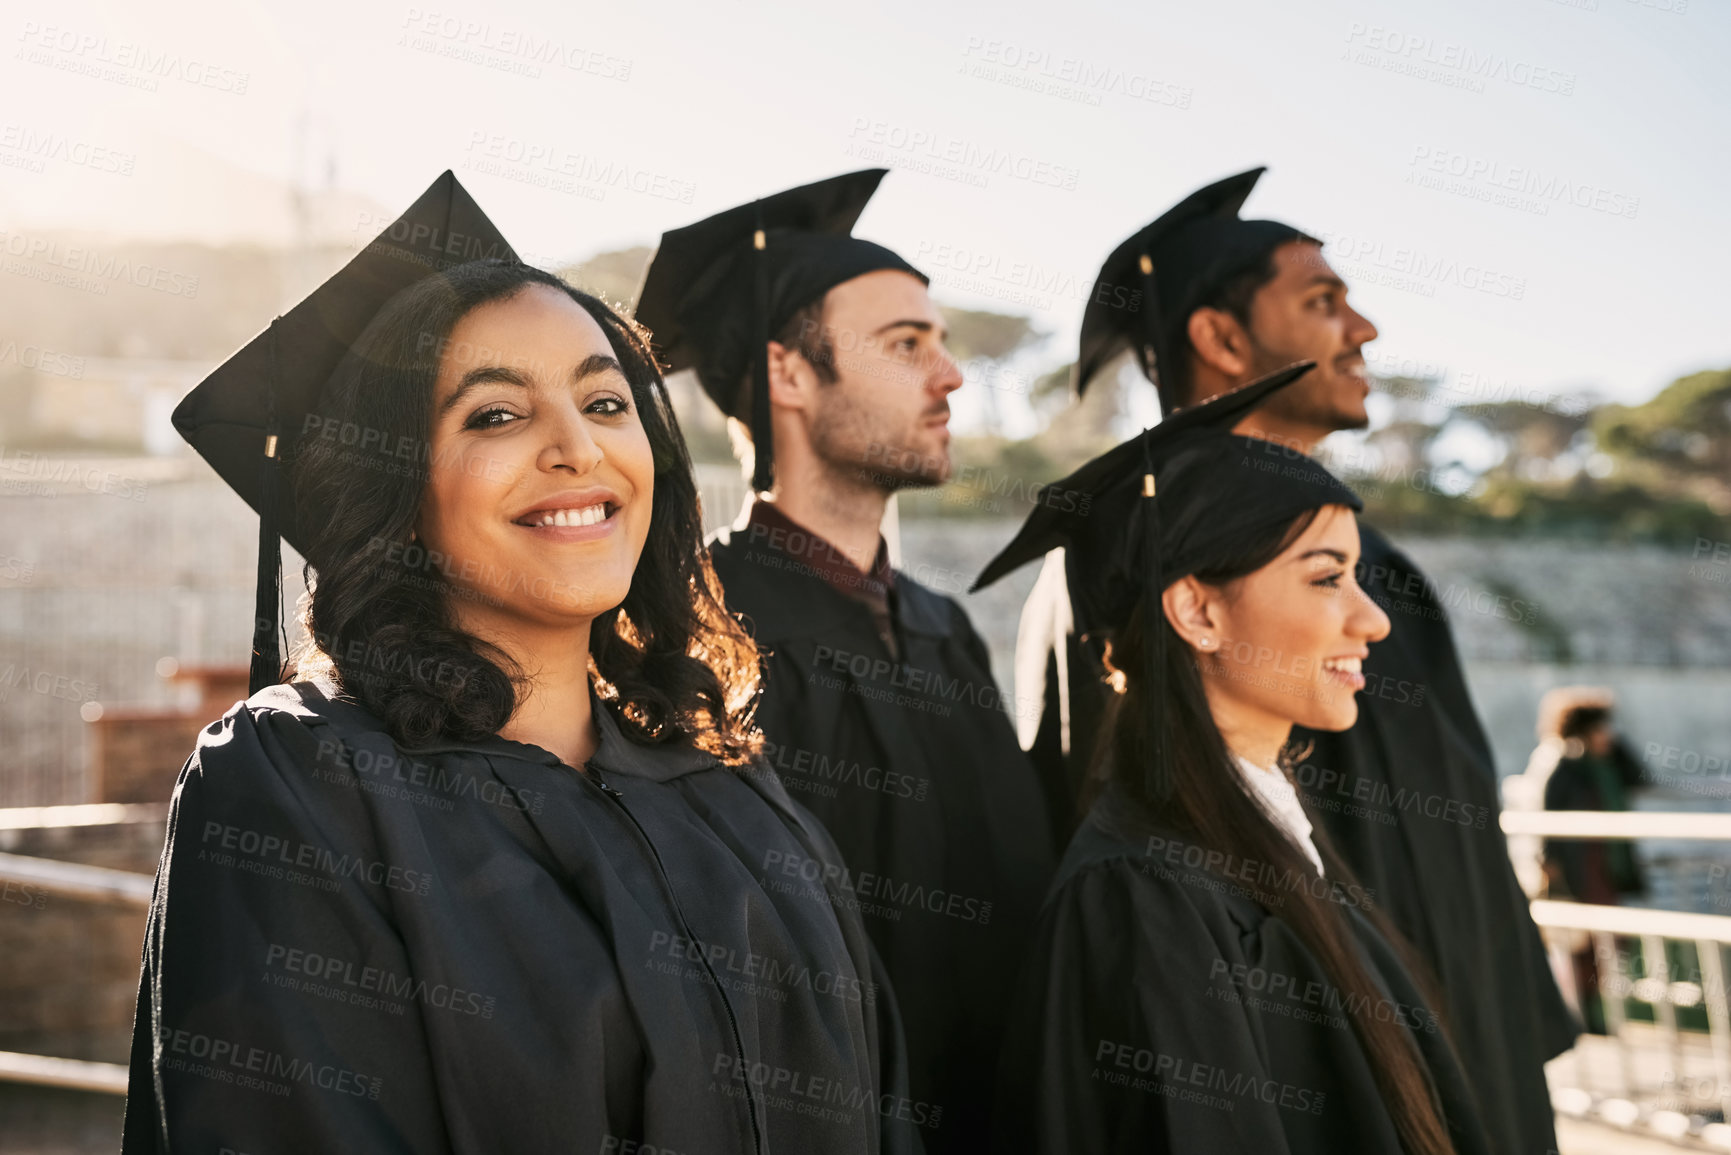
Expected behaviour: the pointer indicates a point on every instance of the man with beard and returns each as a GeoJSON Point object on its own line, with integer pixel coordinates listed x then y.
{"type": "Point", "coordinates": [879, 711]}
{"type": "Point", "coordinates": [1208, 302]}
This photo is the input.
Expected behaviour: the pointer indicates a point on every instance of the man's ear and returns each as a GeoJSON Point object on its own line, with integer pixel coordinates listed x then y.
{"type": "Point", "coordinates": [1220, 341]}
{"type": "Point", "coordinates": [1196, 613]}
{"type": "Point", "coordinates": [791, 378]}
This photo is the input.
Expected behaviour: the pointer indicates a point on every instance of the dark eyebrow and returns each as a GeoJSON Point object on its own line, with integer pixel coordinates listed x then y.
{"type": "Point", "coordinates": [1336, 554]}
{"type": "Point", "coordinates": [505, 375]}
{"type": "Point", "coordinates": [922, 326]}
{"type": "Point", "coordinates": [482, 375]}
{"type": "Point", "coordinates": [1328, 279]}
{"type": "Point", "coordinates": [598, 363]}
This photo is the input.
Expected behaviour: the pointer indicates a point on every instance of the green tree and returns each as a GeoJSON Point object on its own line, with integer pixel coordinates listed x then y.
{"type": "Point", "coordinates": [1679, 442]}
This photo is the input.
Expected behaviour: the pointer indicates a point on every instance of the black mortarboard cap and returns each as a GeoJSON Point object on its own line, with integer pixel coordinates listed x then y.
{"type": "Point", "coordinates": [1140, 516]}
{"type": "Point", "coordinates": [1151, 283]}
{"type": "Point", "coordinates": [246, 418]}
{"type": "Point", "coordinates": [719, 290]}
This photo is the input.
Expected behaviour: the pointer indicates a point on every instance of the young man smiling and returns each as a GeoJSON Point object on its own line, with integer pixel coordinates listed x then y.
{"type": "Point", "coordinates": [1409, 794]}
{"type": "Point", "coordinates": [879, 711]}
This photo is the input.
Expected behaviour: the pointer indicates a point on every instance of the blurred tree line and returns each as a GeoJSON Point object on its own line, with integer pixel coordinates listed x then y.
{"type": "Point", "coordinates": [1564, 465]}
{"type": "Point", "coordinates": [1444, 456]}
{"type": "Point", "coordinates": [1444, 461]}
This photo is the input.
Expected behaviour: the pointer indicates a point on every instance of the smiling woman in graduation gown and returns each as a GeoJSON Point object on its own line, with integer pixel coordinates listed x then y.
{"type": "Point", "coordinates": [401, 910]}
{"type": "Point", "coordinates": [1209, 976]}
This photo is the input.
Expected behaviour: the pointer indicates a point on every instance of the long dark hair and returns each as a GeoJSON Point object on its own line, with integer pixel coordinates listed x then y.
{"type": "Point", "coordinates": [670, 662]}
{"type": "Point", "coordinates": [1207, 804]}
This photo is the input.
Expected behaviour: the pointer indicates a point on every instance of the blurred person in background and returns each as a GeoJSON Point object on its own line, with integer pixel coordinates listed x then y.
{"type": "Point", "coordinates": [1594, 771]}
{"type": "Point", "coordinates": [1585, 765]}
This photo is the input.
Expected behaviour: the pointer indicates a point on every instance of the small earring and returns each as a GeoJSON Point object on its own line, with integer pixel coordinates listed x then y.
{"type": "Point", "coordinates": [1206, 643]}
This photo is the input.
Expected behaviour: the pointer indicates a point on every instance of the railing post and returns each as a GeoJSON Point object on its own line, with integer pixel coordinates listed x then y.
{"type": "Point", "coordinates": [1712, 959]}
{"type": "Point", "coordinates": [1563, 969]}
{"type": "Point", "coordinates": [1656, 973]}
{"type": "Point", "coordinates": [1613, 987]}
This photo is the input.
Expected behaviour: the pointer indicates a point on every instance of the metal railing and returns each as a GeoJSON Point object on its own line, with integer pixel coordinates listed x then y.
{"type": "Point", "coordinates": [80, 883]}
{"type": "Point", "coordinates": [75, 1074]}
{"type": "Point", "coordinates": [77, 881]}
{"type": "Point", "coordinates": [1617, 824]}
{"type": "Point", "coordinates": [1709, 935]}
{"type": "Point", "coordinates": [1663, 984]}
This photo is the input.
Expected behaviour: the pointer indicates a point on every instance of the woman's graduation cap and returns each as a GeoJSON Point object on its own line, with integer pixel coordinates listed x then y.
{"type": "Point", "coordinates": [247, 417]}
{"type": "Point", "coordinates": [719, 290]}
{"type": "Point", "coordinates": [1142, 515]}
{"type": "Point", "coordinates": [1175, 263]}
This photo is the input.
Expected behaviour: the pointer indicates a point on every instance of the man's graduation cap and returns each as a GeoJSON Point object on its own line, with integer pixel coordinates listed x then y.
{"type": "Point", "coordinates": [1193, 249]}
{"type": "Point", "coordinates": [1142, 515]}
{"type": "Point", "coordinates": [719, 290]}
{"type": "Point", "coordinates": [247, 417]}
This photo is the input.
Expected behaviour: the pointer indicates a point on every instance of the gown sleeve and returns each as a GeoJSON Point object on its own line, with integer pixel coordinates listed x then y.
{"type": "Point", "coordinates": [272, 915]}
{"type": "Point", "coordinates": [1116, 1043]}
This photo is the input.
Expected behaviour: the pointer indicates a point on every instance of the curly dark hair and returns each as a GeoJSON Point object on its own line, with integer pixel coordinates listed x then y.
{"type": "Point", "coordinates": [670, 662]}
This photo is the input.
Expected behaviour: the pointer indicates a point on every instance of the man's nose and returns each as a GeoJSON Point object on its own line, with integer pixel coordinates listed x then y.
{"type": "Point", "coordinates": [946, 374]}
{"type": "Point", "coordinates": [1359, 329]}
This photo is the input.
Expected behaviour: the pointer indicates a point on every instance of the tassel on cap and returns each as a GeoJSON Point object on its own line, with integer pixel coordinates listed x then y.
{"type": "Point", "coordinates": [1157, 773]}
{"type": "Point", "coordinates": [1155, 339]}
{"type": "Point", "coordinates": [762, 440]}
{"type": "Point", "coordinates": [267, 597]}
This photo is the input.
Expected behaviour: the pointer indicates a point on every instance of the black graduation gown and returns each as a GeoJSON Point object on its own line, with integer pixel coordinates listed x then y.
{"type": "Point", "coordinates": [1164, 1010]}
{"type": "Point", "coordinates": [475, 948]}
{"type": "Point", "coordinates": [915, 769]}
{"type": "Point", "coordinates": [1409, 799]}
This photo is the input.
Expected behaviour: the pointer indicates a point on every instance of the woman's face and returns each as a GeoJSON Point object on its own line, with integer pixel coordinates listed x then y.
{"type": "Point", "coordinates": [541, 480]}
{"type": "Point", "coordinates": [1287, 642]}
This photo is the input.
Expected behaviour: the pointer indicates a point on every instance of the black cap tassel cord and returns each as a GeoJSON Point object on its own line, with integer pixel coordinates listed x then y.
{"type": "Point", "coordinates": [267, 601]}
{"type": "Point", "coordinates": [763, 447]}
{"type": "Point", "coordinates": [1157, 774]}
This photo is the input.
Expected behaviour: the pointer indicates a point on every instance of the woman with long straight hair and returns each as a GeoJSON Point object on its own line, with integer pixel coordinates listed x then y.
{"type": "Point", "coordinates": [1209, 975]}
{"type": "Point", "coordinates": [498, 868]}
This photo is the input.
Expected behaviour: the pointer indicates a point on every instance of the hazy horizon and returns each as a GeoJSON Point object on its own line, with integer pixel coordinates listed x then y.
{"type": "Point", "coordinates": [1521, 194]}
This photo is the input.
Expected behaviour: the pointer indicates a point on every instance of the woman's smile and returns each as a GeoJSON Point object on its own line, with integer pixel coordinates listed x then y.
{"type": "Point", "coordinates": [1345, 671]}
{"type": "Point", "coordinates": [582, 515]}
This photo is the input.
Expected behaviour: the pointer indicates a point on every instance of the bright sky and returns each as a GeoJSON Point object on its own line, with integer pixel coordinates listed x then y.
{"type": "Point", "coordinates": [1526, 195]}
